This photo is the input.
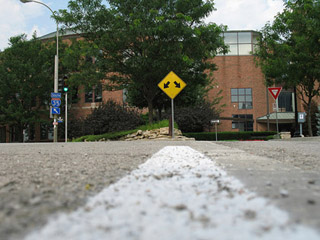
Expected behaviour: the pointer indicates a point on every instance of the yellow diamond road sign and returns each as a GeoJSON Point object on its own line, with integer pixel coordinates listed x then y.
{"type": "Point", "coordinates": [172, 85]}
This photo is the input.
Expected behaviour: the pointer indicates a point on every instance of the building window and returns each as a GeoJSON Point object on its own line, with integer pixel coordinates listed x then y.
{"type": "Point", "coordinates": [73, 93]}
{"type": "Point", "coordinates": [94, 94]}
{"type": "Point", "coordinates": [125, 96]}
{"type": "Point", "coordinates": [3, 134]}
{"type": "Point", "coordinates": [242, 96]}
{"type": "Point", "coordinates": [240, 43]}
{"type": "Point", "coordinates": [285, 102]}
{"type": "Point", "coordinates": [29, 133]}
{"type": "Point", "coordinates": [243, 122]}
{"type": "Point", "coordinates": [46, 131]}
{"type": "Point", "coordinates": [14, 134]}
{"type": "Point", "coordinates": [98, 93]}
{"type": "Point", "coordinates": [88, 95]}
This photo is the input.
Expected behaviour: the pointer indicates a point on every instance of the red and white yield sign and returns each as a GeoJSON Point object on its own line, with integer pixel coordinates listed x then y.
{"type": "Point", "coordinates": [275, 91]}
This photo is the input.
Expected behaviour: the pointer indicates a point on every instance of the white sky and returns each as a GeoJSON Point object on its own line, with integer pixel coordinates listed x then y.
{"type": "Point", "coordinates": [17, 18]}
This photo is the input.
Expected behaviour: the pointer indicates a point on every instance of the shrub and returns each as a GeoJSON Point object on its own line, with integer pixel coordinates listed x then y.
{"type": "Point", "coordinates": [75, 127]}
{"type": "Point", "coordinates": [145, 118]}
{"type": "Point", "coordinates": [196, 118]}
{"type": "Point", "coordinates": [270, 137]}
{"type": "Point", "coordinates": [111, 117]}
{"type": "Point", "coordinates": [211, 136]}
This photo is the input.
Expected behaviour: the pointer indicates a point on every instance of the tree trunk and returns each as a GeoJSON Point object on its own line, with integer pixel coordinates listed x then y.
{"type": "Point", "coordinates": [150, 109]}
{"type": "Point", "coordinates": [309, 119]}
{"type": "Point", "coordinates": [159, 114]}
{"type": "Point", "coordinates": [20, 133]}
{"type": "Point", "coordinates": [296, 124]}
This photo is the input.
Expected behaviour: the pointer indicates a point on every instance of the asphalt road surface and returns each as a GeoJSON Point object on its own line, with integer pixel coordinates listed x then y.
{"type": "Point", "coordinates": [40, 180]}
{"type": "Point", "coordinates": [288, 172]}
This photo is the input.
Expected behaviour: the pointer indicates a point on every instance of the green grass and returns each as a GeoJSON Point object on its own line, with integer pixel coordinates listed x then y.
{"type": "Point", "coordinates": [117, 135]}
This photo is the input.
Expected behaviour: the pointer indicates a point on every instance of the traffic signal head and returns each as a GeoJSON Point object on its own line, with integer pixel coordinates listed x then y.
{"type": "Point", "coordinates": [60, 85]}
{"type": "Point", "coordinates": [65, 84]}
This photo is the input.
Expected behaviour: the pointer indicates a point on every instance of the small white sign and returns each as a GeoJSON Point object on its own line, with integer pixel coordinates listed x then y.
{"type": "Point", "coordinates": [215, 121]}
{"type": "Point", "coordinates": [274, 106]}
{"type": "Point", "coordinates": [301, 117]}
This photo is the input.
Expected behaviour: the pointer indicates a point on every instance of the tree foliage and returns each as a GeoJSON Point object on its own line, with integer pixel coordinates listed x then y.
{"type": "Point", "coordinates": [79, 62]}
{"type": "Point", "coordinates": [26, 79]}
{"type": "Point", "coordinates": [289, 50]}
{"type": "Point", "coordinates": [137, 43]}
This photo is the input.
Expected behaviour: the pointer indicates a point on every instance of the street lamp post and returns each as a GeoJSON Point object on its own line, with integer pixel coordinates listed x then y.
{"type": "Point", "coordinates": [56, 65]}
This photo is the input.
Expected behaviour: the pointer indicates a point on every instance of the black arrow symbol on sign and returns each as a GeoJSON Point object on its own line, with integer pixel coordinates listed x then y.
{"type": "Point", "coordinates": [166, 85]}
{"type": "Point", "coordinates": [177, 84]}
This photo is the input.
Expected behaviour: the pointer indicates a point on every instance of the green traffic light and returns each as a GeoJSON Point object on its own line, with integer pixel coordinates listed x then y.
{"type": "Point", "coordinates": [65, 84]}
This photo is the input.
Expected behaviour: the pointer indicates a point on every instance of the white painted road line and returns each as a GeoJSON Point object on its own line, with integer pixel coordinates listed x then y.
{"type": "Point", "coordinates": [177, 194]}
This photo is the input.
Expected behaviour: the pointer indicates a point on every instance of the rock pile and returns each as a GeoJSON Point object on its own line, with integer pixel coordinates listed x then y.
{"type": "Point", "coordinates": [285, 135]}
{"type": "Point", "coordinates": [156, 134]}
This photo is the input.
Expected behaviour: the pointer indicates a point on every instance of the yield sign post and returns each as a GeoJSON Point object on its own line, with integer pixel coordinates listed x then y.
{"type": "Point", "coordinates": [275, 91]}
{"type": "Point", "coordinates": [172, 85]}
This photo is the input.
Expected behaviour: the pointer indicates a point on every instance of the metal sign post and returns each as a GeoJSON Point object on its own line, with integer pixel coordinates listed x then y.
{"type": "Point", "coordinates": [54, 109]}
{"type": "Point", "coordinates": [301, 120]}
{"type": "Point", "coordinates": [277, 115]}
{"type": "Point", "coordinates": [172, 116]}
{"type": "Point", "coordinates": [172, 85]}
{"type": "Point", "coordinates": [275, 91]}
{"type": "Point", "coordinates": [215, 122]}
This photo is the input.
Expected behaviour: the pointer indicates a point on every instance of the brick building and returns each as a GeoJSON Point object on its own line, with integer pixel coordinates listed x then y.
{"type": "Point", "coordinates": [247, 104]}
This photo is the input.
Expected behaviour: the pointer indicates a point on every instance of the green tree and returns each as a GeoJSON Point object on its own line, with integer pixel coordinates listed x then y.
{"type": "Point", "coordinates": [140, 41]}
{"type": "Point", "coordinates": [26, 74]}
{"type": "Point", "coordinates": [79, 61]}
{"type": "Point", "coordinates": [289, 50]}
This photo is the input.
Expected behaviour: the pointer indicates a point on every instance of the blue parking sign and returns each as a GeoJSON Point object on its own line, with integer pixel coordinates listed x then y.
{"type": "Point", "coordinates": [55, 110]}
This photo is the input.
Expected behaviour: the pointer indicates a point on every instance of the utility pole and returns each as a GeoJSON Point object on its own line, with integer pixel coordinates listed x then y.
{"type": "Point", "coordinates": [56, 67]}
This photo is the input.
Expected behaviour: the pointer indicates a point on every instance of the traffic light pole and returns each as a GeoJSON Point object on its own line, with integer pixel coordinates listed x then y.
{"type": "Point", "coordinates": [66, 118]}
